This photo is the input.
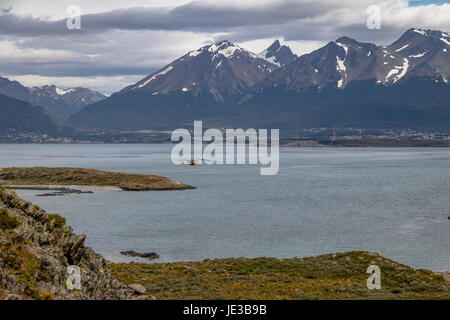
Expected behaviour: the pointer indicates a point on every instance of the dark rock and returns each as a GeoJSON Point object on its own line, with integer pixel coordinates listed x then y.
{"type": "Point", "coordinates": [150, 255]}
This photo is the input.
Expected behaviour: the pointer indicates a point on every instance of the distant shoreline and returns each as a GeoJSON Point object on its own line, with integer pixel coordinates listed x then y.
{"type": "Point", "coordinates": [367, 142]}
{"type": "Point", "coordinates": [286, 142]}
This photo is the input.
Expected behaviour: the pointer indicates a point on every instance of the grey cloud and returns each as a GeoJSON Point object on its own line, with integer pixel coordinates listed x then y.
{"type": "Point", "coordinates": [299, 31]}
{"type": "Point", "coordinates": [11, 24]}
{"type": "Point", "coordinates": [8, 10]}
{"type": "Point", "coordinates": [291, 20]}
{"type": "Point", "coordinates": [75, 69]}
{"type": "Point", "coordinates": [194, 16]}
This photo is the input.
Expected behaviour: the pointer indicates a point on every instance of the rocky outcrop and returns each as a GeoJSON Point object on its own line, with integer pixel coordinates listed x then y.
{"type": "Point", "coordinates": [36, 250]}
{"type": "Point", "coordinates": [147, 255]}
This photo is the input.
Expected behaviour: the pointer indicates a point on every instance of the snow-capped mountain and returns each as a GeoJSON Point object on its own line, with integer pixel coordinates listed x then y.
{"type": "Point", "coordinates": [418, 53]}
{"type": "Point", "coordinates": [338, 62]}
{"type": "Point", "coordinates": [60, 103]}
{"type": "Point", "coordinates": [222, 70]}
{"type": "Point", "coordinates": [345, 83]}
{"type": "Point", "coordinates": [278, 54]}
{"type": "Point", "coordinates": [200, 81]}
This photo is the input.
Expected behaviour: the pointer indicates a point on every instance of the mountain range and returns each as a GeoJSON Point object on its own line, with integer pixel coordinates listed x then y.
{"type": "Point", "coordinates": [59, 103]}
{"type": "Point", "coordinates": [346, 83]}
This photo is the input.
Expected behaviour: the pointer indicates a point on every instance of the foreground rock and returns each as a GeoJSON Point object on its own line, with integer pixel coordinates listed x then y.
{"type": "Point", "coordinates": [36, 250]}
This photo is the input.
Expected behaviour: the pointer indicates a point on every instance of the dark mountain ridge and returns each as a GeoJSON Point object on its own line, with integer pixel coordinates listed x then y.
{"type": "Point", "coordinates": [20, 116]}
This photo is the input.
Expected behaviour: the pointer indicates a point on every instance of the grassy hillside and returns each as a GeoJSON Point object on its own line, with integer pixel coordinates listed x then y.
{"type": "Point", "coordinates": [21, 116]}
{"type": "Point", "coordinates": [331, 276]}
{"type": "Point", "coordinates": [36, 250]}
{"type": "Point", "coordinates": [87, 177]}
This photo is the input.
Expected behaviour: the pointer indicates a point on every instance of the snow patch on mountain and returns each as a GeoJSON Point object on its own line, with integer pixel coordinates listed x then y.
{"type": "Point", "coordinates": [420, 55]}
{"type": "Point", "coordinates": [404, 69]}
{"type": "Point", "coordinates": [420, 32]}
{"type": "Point", "coordinates": [405, 46]}
{"type": "Point", "coordinates": [343, 46]}
{"type": "Point", "coordinates": [270, 59]}
{"type": "Point", "coordinates": [224, 48]}
{"type": "Point", "coordinates": [62, 92]}
{"type": "Point", "coordinates": [445, 41]}
{"type": "Point", "coordinates": [165, 71]}
{"type": "Point", "coordinates": [340, 67]}
{"type": "Point", "coordinates": [195, 53]}
{"type": "Point", "coordinates": [391, 73]}
{"type": "Point", "coordinates": [340, 64]}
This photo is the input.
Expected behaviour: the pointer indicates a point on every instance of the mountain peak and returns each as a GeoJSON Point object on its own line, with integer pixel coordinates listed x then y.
{"type": "Point", "coordinates": [274, 46]}
{"type": "Point", "coordinates": [418, 31]}
{"type": "Point", "coordinates": [278, 54]}
{"type": "Point", "coordinates": [223, 47]}
{"type": "Point", "coordinates": [346, 40]}
{"type": "Point", "coordinates": [202, 74]}
{"type": "Point", "coordinates": [424, 33]}
{"type": "Point", "coordinates": [417, 41]}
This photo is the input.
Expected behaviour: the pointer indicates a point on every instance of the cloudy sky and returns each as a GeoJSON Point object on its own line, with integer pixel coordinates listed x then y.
{"type": "Point", "coordinates": [120, 42]}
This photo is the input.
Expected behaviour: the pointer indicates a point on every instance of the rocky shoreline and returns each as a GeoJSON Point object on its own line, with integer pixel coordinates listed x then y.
{"type": "Point", "coordinates": [60, 190]}
{"type": "Point", "coordinates": [36, 250]}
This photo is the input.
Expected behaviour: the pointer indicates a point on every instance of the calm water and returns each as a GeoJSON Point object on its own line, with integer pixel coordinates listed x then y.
{"type": "Point", "coordinates": [393, 201]}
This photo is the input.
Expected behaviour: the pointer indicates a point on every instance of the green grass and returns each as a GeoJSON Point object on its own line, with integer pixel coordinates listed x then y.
{"type": "Point", "coordinates": [24, 264]}
{"type": "Point", "coordinates": [332, 276]}
{"type": "Point", "coordinates": [56, 221]}
{"type": "Point", "coordinates": [86, 177]}
{"type": "Point", "coordinates": [6, 221]}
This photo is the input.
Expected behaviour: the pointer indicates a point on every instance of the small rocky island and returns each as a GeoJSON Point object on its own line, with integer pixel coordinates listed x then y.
{"type": "Point", "coordinates": [82, 180]}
